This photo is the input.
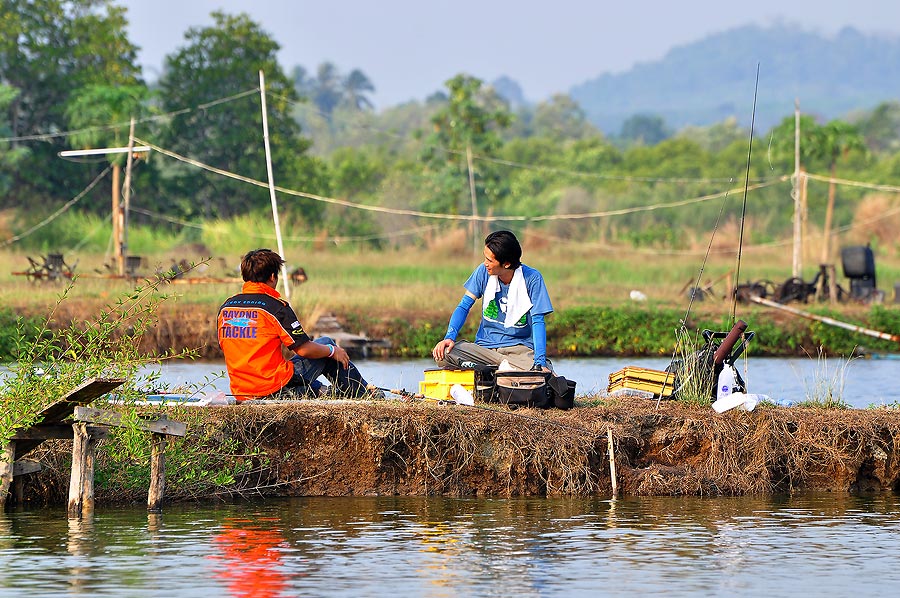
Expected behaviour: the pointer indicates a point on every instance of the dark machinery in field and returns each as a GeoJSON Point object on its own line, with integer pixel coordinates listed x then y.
{"type": "Point", "coordinates": [858, 263]}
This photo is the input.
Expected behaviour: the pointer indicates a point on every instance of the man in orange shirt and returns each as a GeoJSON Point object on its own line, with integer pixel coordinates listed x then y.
{"type": "Point", "coordinates": [254, 325]}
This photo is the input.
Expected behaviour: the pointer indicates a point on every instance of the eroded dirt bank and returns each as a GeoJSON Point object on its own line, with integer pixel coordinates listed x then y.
{"type": "Point", "coordinates": [393, 448]}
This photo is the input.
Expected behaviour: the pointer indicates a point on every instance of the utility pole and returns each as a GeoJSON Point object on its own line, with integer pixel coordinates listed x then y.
{"type": "Point", "coordinates": [796, 193]}
{"type": "Point", "coordinates": [126, 203]}
{"type": "Point", "coordinates": [475, 235]}
{"type": "Point", "coordinates": [119, 209]}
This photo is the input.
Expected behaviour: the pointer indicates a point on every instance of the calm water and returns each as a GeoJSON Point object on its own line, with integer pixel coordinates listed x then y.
{"type": "Point", "coordinates": [823, 545]}
{"type": "Point", "coordinates": [861, 382]}
{"type": "Point", "coordinates": [831, 545]}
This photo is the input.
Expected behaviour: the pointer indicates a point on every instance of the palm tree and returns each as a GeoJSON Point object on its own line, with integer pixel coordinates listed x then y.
{"type": "Point", "coordinates": [837, 139]}
{"type": "Point", "coordinates": [327, 90]}
{"type": "Point", "coordinates": [356, 85]}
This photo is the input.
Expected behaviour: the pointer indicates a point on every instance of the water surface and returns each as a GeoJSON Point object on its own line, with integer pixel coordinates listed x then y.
{"type": "Point", "coordinates": [829, 545]}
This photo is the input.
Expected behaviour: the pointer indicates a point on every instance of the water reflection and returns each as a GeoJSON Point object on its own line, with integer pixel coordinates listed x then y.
{"type": "Point", "coordinates": [81, 535]}
{"type": "Point", "coordinates": [399, 546]}
{"type": "Point", "coordinates": [249, 559]}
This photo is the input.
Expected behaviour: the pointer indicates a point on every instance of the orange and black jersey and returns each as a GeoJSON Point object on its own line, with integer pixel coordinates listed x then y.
{"type": "Point", "coordinates": [252, 328]}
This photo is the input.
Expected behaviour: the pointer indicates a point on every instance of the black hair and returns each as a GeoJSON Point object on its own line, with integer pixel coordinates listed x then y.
{"type": "Point", "coordinates": [260, 264]}
{"type": "Point", "coordinates": [505, 247]}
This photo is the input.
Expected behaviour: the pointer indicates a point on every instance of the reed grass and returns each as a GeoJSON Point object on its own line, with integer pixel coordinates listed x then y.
{"type": "Point", "coordinates": [824, 388]}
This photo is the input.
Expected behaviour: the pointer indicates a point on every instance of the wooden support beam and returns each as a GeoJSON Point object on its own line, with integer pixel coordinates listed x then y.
{"type": "Point", "coordinates": [21, 468]}
{"type": "Point", "coordinates": [7, 455]}
{"type": "Point", "coordinates": [26, 466]}
{"type": "Point", "coordinates": [59, 411]}
{"type": "Point", "coordinates": [157, 472]}
{"type": "Point", "coordinates": [159, 424]}
{"type": "Point", "coordinates": [45, 432]}
{"type": "Point", "coordinates": [81, 484]}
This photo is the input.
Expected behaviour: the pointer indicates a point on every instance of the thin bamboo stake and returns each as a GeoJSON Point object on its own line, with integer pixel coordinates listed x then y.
{"type": "Point", "coordinates": [475, 240]}
{"type": "Point", "coordinates": [265, 124]}
{"type": "Point", "coordinates": [826, 320]}
{"type": "Point", "coordinates": [612, 461]}
{"type": "Point", "coordinates": [797, 266]}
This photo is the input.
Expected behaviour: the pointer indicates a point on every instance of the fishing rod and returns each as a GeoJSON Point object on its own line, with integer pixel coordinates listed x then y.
{"type": "Point", "coordinates": [737, 272]}
{"type": "Point", "coordinates": [419, 397]}
{"type": "Point", "coordinates": [731, 335]}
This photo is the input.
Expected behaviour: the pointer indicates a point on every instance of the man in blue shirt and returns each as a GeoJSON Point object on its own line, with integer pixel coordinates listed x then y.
{"type": "Point", "coordinates": [514, 303]}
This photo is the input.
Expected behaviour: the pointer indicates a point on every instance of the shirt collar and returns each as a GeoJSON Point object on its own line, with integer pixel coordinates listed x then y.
{"type": "Point", "coordinates": [259, 288]}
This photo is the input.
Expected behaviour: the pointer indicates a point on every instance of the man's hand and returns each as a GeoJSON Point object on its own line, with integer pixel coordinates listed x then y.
{"type": "Point", "coordinates": [340, 356]}
{"type": "Point", "coordinates": [442, 348]}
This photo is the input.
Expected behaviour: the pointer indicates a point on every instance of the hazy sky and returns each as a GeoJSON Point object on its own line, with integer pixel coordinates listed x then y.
{"type": "Point", "coordinates": [408, 48]}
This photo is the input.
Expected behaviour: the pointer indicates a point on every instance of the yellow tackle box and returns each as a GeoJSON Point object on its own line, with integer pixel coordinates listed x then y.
{"type": "Point", "coordinates": [438, 382]}
{"type": "Point", "coordinates": [642, 379]}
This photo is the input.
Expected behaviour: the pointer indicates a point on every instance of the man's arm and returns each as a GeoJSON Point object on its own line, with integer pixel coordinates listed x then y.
{"type": "Point", "coordinates": [457, 320]}
{"type": "Point", "coordinates": [311, 350]}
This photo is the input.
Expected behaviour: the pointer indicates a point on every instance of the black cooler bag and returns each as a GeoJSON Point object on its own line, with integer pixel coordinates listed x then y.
{"type": "Point", "coordinates": [523, 389]}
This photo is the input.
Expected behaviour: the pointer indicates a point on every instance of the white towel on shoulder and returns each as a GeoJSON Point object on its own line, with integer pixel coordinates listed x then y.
{"type": "Point", "coordinates": [517, 300]}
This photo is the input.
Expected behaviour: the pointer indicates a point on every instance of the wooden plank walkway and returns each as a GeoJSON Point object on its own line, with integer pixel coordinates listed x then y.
{"type": "Point", "coordinates": [51, 418]}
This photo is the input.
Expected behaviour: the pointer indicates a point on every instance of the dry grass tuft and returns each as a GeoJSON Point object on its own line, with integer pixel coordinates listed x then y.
{"type": "Point", "coordinates": [877, 216]}
{"type": "Point", "coordinates": [453, 242]}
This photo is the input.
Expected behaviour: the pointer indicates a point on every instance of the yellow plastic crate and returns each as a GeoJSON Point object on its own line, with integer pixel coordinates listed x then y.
{"type": "Point", "coordinates": [634, 378]}
{"type": "Point", "coordinates": [437, 383]}
{"type": "Point", "coordinates": [632, 372]}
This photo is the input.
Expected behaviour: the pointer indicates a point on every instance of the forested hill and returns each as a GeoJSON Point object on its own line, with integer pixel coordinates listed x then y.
{"type": "Point", "coordinates": [709, 80]}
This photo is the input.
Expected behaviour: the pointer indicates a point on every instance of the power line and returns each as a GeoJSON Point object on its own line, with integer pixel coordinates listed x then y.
{"type": "Point", "coordinates": [457, 217]}
{"type": "Point", "coordinates": [122, 125]}
{"type": "Point", "coordinates": [336, 239]}
{"type": "Point", "coordinates": [58, 212]}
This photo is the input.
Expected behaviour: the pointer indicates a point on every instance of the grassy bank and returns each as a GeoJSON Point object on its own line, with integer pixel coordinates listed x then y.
{"type": "Point", "coordinates": [394, 448]}
{"type": "Point", "coordinates": [407, 296]}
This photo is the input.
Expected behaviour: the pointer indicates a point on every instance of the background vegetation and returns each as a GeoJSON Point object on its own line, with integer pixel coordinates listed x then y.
{"type": "Point", "coordinates": [378, 206]}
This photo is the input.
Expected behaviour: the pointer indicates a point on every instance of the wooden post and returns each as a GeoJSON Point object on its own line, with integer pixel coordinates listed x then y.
{"type": "Point", "coordinates": [612, 461]}
{"type": "Point", "coordinates": [832, 284]}
{"type": "Point", "coordinates": [19, 492]}
{"type": "Point", "coordinates": [81, 484]}
{"type": "Point", "coordinates": [797, 267]}
{"type": "Point", "coordinates": [475, 240]}
{"type": "Point", "coordinates": [160, 427]}
{"type": "Point", "coordinates": [7, 457]}
{"type": "Point", "coordinates": [157, 472]}
{"type": "Point", "coordinates": [21, 468]}
{"type": "Point", "coordinates": [117, 220]}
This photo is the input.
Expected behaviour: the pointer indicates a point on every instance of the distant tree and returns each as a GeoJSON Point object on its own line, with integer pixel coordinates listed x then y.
{"type": "Point", "coordinates": [304, 85]}
{"type": "Point", "coordinates": [781, 143]}
{"type": "Point", "coordinates": [715, 137]}
{"type": "Point", "coordinates": [94, 108]}
{"type": "Point", "coordinates": [327, 89]}
{"type": "Point", "coordinates": [881, 127]}
{"type": "Point", "coordinates": [438, 97]}
{"type": "Point", "coordinates": [645, 129]}
{"type": "Point", "coordinates": [218, 62]}
{"type": "Point", "coordinates": [471, 121]}
{"type": "Point", "coordinates": [509, 90]}
{"type": "Point", "coordinates": [838, 139]}
{"type": "Point", "coordinates": [100, 114]}
{"type": "Point", "coordinates": [356, 86]}
{"type": "Point", "coordinates": [48, 50]}
{"type": "Point", "coordinates": [562, 118]}
{"type": "Point", "coordinates": [10, 157]}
